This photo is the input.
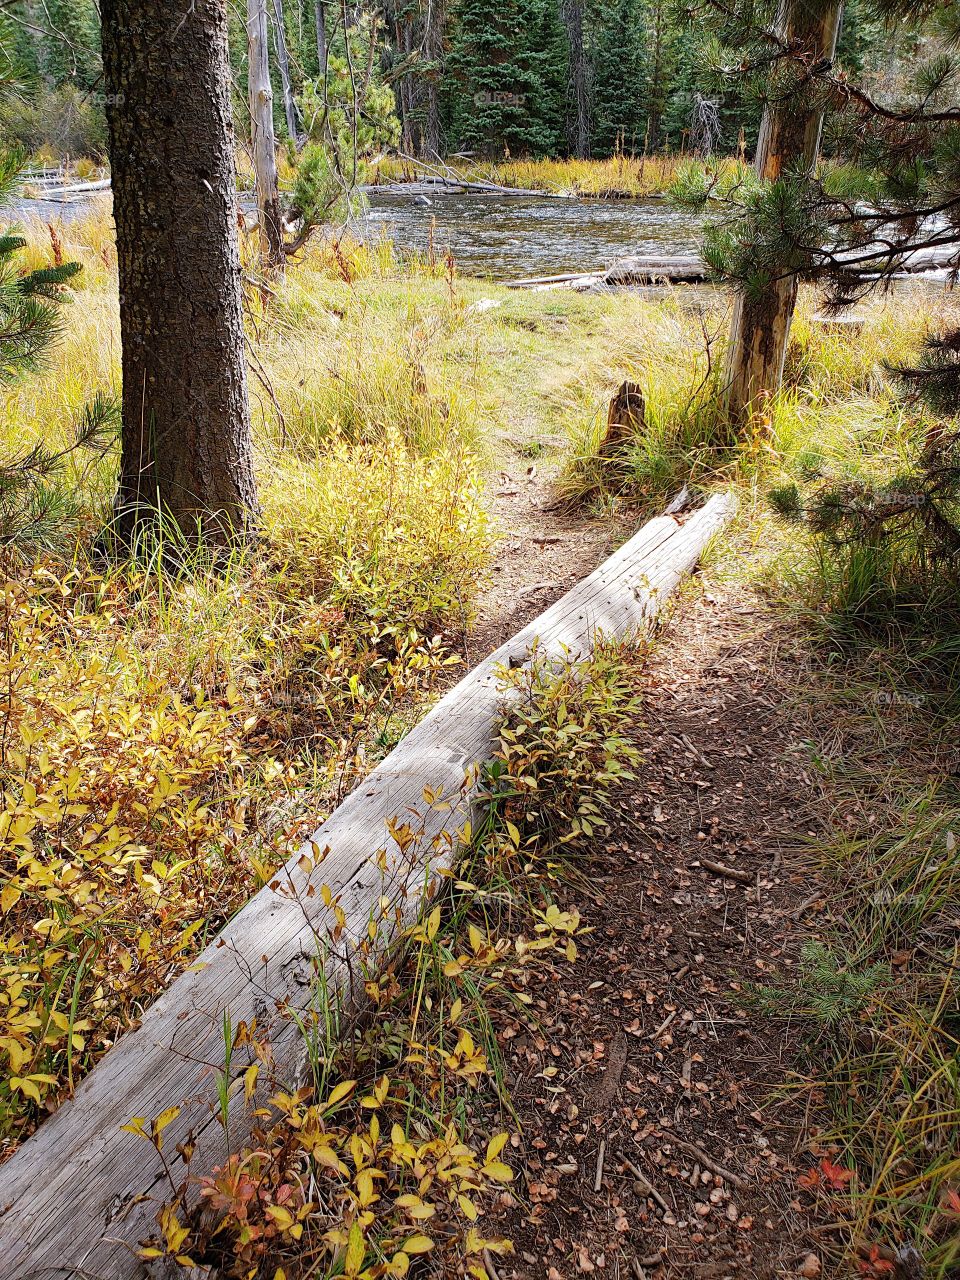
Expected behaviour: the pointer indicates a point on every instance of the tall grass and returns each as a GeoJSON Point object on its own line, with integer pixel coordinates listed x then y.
{"type": "Point", "coordinates": [620, 175]}
{"type": "Point", "coordinates": [839, 407]}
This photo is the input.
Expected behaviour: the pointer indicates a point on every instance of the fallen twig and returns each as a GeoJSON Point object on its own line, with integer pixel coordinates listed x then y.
{"type": "Point", "coordinates": [489, 1266]}
{"type": "Point", "coordinates": [600, 1155]}
{"type": "Point", "coordinates": [707, 1161]}
{"type": "Point", "coordinates": [652, 1191]}
{"type": "Point", "coordinates": [805, 905]}
{"type": "Point", "coordinates": [727, 873]}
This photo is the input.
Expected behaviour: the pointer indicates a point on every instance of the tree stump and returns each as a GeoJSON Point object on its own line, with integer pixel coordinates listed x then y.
{"type": "Point", "coordinates": [625, 419]}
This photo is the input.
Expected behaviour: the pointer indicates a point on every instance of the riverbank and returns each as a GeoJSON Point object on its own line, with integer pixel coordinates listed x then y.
{"type": "Point", "coordinates": [619, 177]}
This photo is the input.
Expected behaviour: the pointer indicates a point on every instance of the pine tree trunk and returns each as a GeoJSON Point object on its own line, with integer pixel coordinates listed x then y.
{"type": "Point", "coordinates": [321, 24]}
{"type": "Point", "coordinates": [186, 445]}
{"type": "Point", "coordinates": [283, 62]}
{"type": "Point", "coordinates": [262, 137]}
{"type": "Point", "coordinates": [789, 140]}
{"type": "Point", "coordinates": [433, 50]}
{"type": "Point", "coordinates": [581, 130]}
{"type": "Point", "coordinates": [655, 114]}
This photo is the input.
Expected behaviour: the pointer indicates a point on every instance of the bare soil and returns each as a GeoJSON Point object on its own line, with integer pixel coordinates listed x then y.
{"type": "Point", "coordinates": [543, 550]}
{"type": "Point", "coordinates": [657, 1138]}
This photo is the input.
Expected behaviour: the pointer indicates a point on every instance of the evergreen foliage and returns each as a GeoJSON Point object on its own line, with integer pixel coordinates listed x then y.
{"type": "Point", "coordinates": [620, 82]}
{"type": "Point", "coordinates": [498, 72]}
{"type": "Point", "coordinates": [506, 76]}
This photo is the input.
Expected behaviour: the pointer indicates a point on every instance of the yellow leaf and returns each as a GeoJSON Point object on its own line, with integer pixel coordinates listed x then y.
{"type": "Point", "coordinates": [356, 1248]}
{"type": "Point", "coordinates": [418, 1244]}
{"type": "Point", "coordinates": [496, 1145]}
{"type": "Point", "coordinates": [433, 924]}
{"type": "Point", "coordinates": [163, 1119]}
{"type": "Point", "coordinates": [342, 1090]}
{"type": "Point", "coordinates": [281, 1216]}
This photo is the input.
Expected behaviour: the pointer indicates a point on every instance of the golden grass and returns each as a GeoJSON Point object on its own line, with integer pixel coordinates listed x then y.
{"type": "Point", "coordinates": [617, 176]}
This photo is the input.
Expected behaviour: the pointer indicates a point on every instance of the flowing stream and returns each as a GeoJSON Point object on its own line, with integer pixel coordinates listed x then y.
{"type": "Point", "coordinates": [498, 237]}
{"type": "Point", "coordinates": [509, 237]}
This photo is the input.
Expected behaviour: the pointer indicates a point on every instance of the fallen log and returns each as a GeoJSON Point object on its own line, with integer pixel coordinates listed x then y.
{"type": "Point", "coordinates": [72, 190]}
{"type": "Point", "coordinates": [689, 269]}
{"type": "Point", "coordinates": [80, 1194]}
{"type": "Point", "coordinates": [459, 186]}
{"type": "Point", "coordinates": [685, 269]}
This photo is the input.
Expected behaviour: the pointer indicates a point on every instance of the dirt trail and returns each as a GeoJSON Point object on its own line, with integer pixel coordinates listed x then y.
{"type": "Point", "coordinates": [654, 1143]}
{"type": "Point", "coordinates": [541, 553]}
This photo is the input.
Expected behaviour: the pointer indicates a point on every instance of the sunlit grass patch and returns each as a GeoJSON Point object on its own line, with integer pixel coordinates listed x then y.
{"type": "Point", "coordinates": [619, 175]}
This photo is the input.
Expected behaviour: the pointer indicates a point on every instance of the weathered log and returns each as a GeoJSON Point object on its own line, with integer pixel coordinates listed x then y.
{"type": "Point", "coordinates": [643, 270]}
{"type": "Point", "coordinates": [79, 1195]}
{"type": "Point", "coordinates": [689, 269]}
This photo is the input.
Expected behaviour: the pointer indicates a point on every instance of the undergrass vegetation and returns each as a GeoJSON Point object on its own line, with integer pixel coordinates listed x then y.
{"type": "Point", "coordinates": [159, 726]}
{"type": "Point", "coordinates": [875, 999]}
{"type": "Point", "coordinates": [840, 409]}
{"type": "Point", "coordinates": [398, 1143]}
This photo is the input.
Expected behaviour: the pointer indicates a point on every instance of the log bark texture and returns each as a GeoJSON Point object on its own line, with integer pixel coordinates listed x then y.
{"type": "Point", "coordinates": [186, 446]}
{"type": "Point", "coordinates": [80, 1194]}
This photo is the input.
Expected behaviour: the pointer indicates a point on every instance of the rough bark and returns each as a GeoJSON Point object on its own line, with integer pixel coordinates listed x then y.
{"type": "Point", "coordinates": [434, 20]}
{"type": "Point", "coordinates": [789, 140]}
{"type": "Point", "coordinates": [625, 420]}
{"type": "Point", "coordinates": [263, 140]}
{"type": "Point", "coordinates": [321, 25]}
{"type": "Point", "coordinates": [186, 445]}
{"type": "Point", "coordinates": [283, 62]}
{"type": "Point", "coordinates": [580, 77]}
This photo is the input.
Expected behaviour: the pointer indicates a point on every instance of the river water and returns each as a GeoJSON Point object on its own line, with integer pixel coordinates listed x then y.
{"type": "Point", "coordinates": [508, 237]}
{"type": "Point", "coordinates": [498, 237]}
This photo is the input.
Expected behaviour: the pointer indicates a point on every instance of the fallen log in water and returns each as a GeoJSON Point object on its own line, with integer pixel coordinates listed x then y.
{"type": "Point", "coordinates": [690, 269]}
{"type": "Point", "coordinates": [454, 186]}
{"type": "Point", "coordinates": [79, 1195]}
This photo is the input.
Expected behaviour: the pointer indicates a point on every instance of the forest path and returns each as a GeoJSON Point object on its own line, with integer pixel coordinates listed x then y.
{"type": "Point", "coordinates": [542, 550]}
{"type": "Point", "coordinates": [641, 1074]}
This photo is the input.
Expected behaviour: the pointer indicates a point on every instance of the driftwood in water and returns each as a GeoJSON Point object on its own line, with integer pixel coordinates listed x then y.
{"type": "Point", "coordinates": [454, 186]}
{"type": "Point", "coordinates": [689, 269]}
{"type": "Point", "coordinates": [78, 1196]}
{"type": "Point", "coordinates": [686, 269]}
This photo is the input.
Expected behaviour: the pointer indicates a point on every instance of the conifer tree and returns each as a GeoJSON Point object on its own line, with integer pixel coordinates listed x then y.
{"type": "Point", "coordinates": [848, 225]}
{"type": "Point", "coordinates": [506, 76]}
{"type": "Point", "coordinates": [620, 77]}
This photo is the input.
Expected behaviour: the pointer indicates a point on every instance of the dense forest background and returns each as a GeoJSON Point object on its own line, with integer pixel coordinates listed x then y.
{"type": "Point", "coordinates": [494, 78]}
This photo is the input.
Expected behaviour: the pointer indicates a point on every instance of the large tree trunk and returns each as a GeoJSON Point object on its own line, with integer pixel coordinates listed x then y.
{"type": "Point", "coordinates": [262, 136]}
{"type": "Point", "coordinates": [433, 51]}
{"type": "Point", "coordinates": [283, 62]}
{"type": "Point", "coordinates": [186, 446]}
{"type": "Point", "coordinates": [580, 77]}
{"type": "Point", "coordinates": [789, 140]}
